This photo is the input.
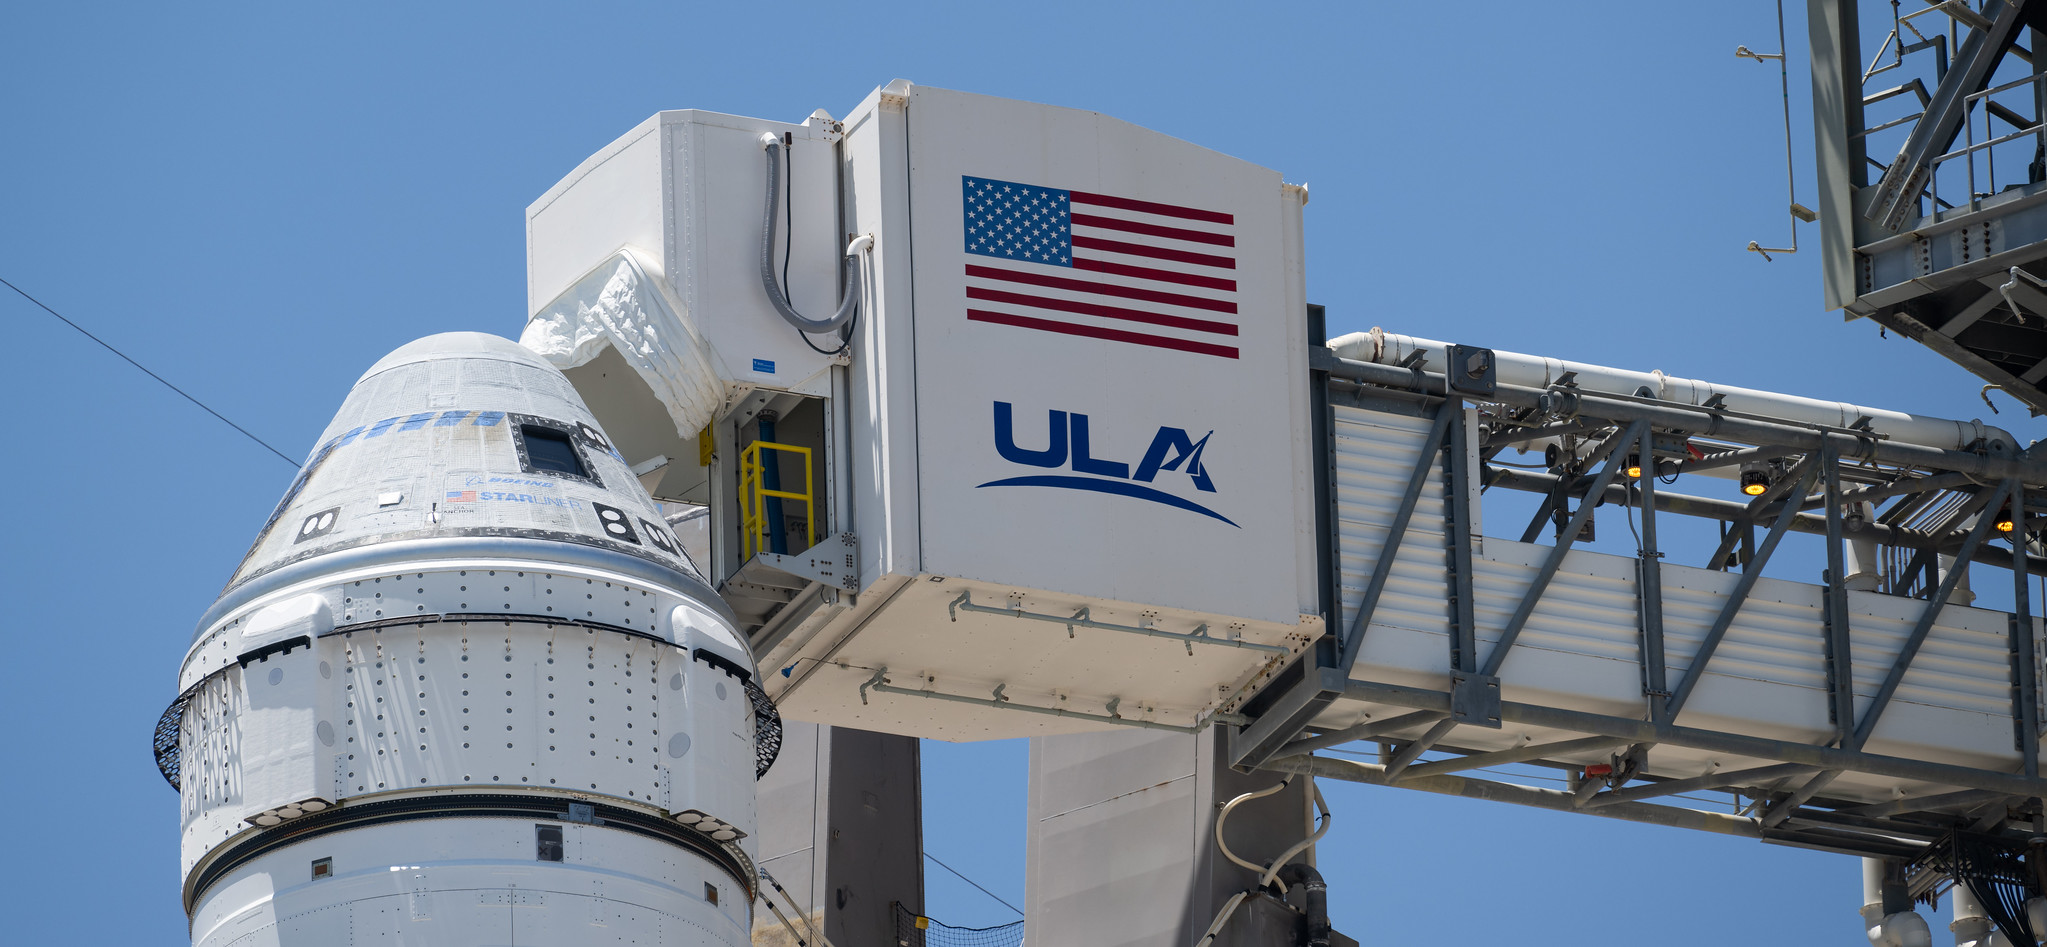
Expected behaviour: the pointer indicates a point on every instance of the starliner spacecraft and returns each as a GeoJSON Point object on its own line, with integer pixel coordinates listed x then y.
{"type": "Point", "coordinates": [467, 688]}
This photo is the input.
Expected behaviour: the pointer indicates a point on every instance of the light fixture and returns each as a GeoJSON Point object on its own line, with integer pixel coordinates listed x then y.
{"type": "Point", "coordinates": [1755, 479]}
{"type": "Point", "coordinates": [2005, 523]}
{"type": "Point", "coordinates": [1634, 470]}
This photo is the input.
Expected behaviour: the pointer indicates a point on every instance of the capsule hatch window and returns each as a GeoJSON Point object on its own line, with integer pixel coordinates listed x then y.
{"type": "Point", "coordinates": [545, 447]}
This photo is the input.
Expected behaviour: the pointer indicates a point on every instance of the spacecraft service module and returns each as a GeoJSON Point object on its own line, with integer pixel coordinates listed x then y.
{"type": "Point", "coordinates": [467, 688]}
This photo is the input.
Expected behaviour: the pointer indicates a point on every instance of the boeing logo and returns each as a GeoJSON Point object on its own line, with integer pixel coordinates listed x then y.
{"type": "Point", "coordinates": [1069, 447]}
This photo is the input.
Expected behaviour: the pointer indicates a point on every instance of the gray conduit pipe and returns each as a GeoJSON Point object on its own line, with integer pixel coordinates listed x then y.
{"type": "Point", "coordinates": [849, 291]}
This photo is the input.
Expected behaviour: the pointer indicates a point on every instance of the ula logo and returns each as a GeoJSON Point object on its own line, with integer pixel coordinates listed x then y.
{"type": "Point", "coordinates": [1068, 446]}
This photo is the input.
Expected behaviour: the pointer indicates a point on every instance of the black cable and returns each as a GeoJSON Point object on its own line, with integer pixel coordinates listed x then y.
{"type": "Point", "coordinates": [789, 243]}
{"type": "Point", "coordinates": [971, 881]}
{"type": "Point", "coordinates": [145, 371]}
{"type": "Point", "coordinates": [789, 209]}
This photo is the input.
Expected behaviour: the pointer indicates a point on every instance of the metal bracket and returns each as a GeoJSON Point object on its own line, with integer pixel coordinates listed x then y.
{"type": "Point", "coordinates": [1473, 370]}
{"type": "Point", "coordinates": [1475, 699]}
{"type": "Point", "coordinates": [1082, 619]}
{"type": "Point", "coordinates": [828, 563]}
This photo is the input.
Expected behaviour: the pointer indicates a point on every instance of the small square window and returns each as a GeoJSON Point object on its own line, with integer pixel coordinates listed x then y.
{"type": "Point", "coordinates": [710, 892]}
{"type": "Point", "coordinates": [323, 868]}
{"type": "Point", "coordinates": [549, 449]}
{"type": "Point", "coordinates": [547, 842]}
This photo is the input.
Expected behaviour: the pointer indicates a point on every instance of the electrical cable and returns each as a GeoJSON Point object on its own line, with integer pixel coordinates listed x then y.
{"type": "Point", "coordinates": [146, 371]}
{"type": "Point", "coordinates": [849, 291]}
{"type": "Point", "coordinates": [789, 244]}
{"type": "Point", "coordinates": [976, 884]}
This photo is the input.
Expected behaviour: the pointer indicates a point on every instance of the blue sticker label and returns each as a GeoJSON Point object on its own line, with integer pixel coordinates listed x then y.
{"type": "Point", "coordinates": [764, 366]}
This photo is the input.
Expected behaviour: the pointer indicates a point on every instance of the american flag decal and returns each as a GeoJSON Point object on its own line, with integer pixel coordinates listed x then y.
{"type": "Point", "coordinates": [461, 496]}
{"type": "Point", "coordinates": [1101, 266]}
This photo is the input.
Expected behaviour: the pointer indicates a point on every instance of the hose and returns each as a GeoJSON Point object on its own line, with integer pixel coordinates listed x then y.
{"type": "Point", "coordinates": [849, 292]}
{"type": "Point", "coordinates": [1317, 899]}
{"type": "Point", "coordinates": [1318, 893]}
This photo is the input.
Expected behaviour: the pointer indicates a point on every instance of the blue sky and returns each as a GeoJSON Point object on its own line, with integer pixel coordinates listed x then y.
{"type": "Point", "coordinates": [260, 200]}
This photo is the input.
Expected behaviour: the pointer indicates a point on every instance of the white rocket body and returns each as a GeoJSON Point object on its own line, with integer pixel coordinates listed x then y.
{"type": "Point", "coordinates": [466, 689]}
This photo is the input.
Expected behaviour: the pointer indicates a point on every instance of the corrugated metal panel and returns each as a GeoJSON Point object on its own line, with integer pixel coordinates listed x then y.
{"type": "Point", "coordinates": [1581, 647]}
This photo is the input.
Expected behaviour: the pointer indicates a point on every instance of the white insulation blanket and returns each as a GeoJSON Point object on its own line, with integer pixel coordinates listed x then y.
{"type": "Point", "coordinates": [624, 303]}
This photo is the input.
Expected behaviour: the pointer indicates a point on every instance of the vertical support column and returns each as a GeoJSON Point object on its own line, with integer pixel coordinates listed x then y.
{"type": "Point", "coordinates": [1840, 669]}
{"type": "Point", "coordinates": [1327, 538]}
{"type": "Point", "coordinates": [1649, 585]}
{"type": "Point", "coordinates": [841, 827]}
{"type": "Point", "coordinates": [1836, 51]}
{"type": "Point", "coordinates": [1457, 538]}
{"type": "Point", "coordinates": [2025, 676]}
{"type": "Point", "coordinates": [1122, 848]}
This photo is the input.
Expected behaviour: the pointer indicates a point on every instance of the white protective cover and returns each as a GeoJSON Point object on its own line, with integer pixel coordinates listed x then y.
{"type": "Point", "coordinates": [624, 303]}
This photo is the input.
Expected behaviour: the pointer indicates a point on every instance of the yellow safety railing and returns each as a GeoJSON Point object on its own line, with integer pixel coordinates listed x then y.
{"type": "Point", "coordinates": [753, 494]}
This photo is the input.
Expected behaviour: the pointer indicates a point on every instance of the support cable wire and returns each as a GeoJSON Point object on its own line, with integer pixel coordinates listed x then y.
{"type": "Point", "coordinates": [976, 884]}
{"type": "Point", "coordinates": [124, 357]}
{"type": "Point", "coordinates": [1266, 872]}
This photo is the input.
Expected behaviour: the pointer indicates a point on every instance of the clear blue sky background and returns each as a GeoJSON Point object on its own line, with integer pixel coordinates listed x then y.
{"type": "Point", "coordinates": [259, 200]}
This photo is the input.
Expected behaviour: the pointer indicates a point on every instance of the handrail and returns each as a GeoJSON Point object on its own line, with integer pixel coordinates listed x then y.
{"type": "Point", "coordinates": [753, 494]}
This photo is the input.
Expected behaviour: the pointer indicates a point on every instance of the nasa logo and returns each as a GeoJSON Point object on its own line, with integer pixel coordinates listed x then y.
{"type": "Point", "coordinates": [1068, 446]}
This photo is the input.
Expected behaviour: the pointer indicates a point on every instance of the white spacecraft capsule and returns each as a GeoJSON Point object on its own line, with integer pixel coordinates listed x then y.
{"type": "Point", "coordinates": [467, 689]}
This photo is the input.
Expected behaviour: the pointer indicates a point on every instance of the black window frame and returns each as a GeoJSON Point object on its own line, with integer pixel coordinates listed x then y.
{"type": "Point", "coordinates": [568, 433]}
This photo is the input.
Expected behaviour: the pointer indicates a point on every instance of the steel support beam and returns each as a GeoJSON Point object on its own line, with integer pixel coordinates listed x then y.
{"type": "Point", "coordinates": [1406, 755]}
{"type": "Point", "coordinates": [1750, 573]}
{"type": "Point", "coordinates": [1835, 55]}
{"type": "Point", "coordinates": [1854, 740]}
{"type": "Point", "coordinates": [1555, 559]}
{"type": "Point", "coordinates": [1396, 531]}
{"type": "Point", "coordinates": [1897, 193]}
{"type": "Point", "coordinates": [1319, 684]}
{"type": "Point", "coordinates": [1927, 615]}
{"type": "Point", "coordinates": [1458, 538]}
{"type": "Point", "coordinates": [1669, 787]}
{"type": "Point", "coordinates": [1967, 798]}
{"type": "Point", "coordinates": [1469, 788]}
{"type": "Point", "coordinates": [2024, 670]}
{"type": "Point", "coordinates": [1729, 511]}
{"type": "Point", "coordinates": [1839, 658]}
{"type": "Point", "coordinates": [1362, 731]}
{"type": "Point", "coordinates": [1521, 754]}
{"type": "Point", "coordinates": [1642, 731]}
{"type": "Point", "coordinates": [1649, 585]}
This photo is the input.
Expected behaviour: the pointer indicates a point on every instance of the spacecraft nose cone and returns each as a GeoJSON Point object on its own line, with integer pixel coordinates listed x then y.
{"type": "Point", "coordinates": [466, 604]}
{"type": "Point", "coordinates": [467, 443]}
{"type": "Point", "coordinates": [457, 345]}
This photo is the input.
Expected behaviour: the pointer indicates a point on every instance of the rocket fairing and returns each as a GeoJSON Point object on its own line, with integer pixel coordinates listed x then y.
{"type": "Point", "coordinates": [466, 688]}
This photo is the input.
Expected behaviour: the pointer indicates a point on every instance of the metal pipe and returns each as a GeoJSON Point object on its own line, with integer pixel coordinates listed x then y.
{"type": "Point", "coordinates": [1639, 731]}
{"type": "Point", "coordinates": [1803, 435]}
{"type": "Point", "coordinates": [1514, 369]}
{"type": "Point", "coordinates": [1469, 788]}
